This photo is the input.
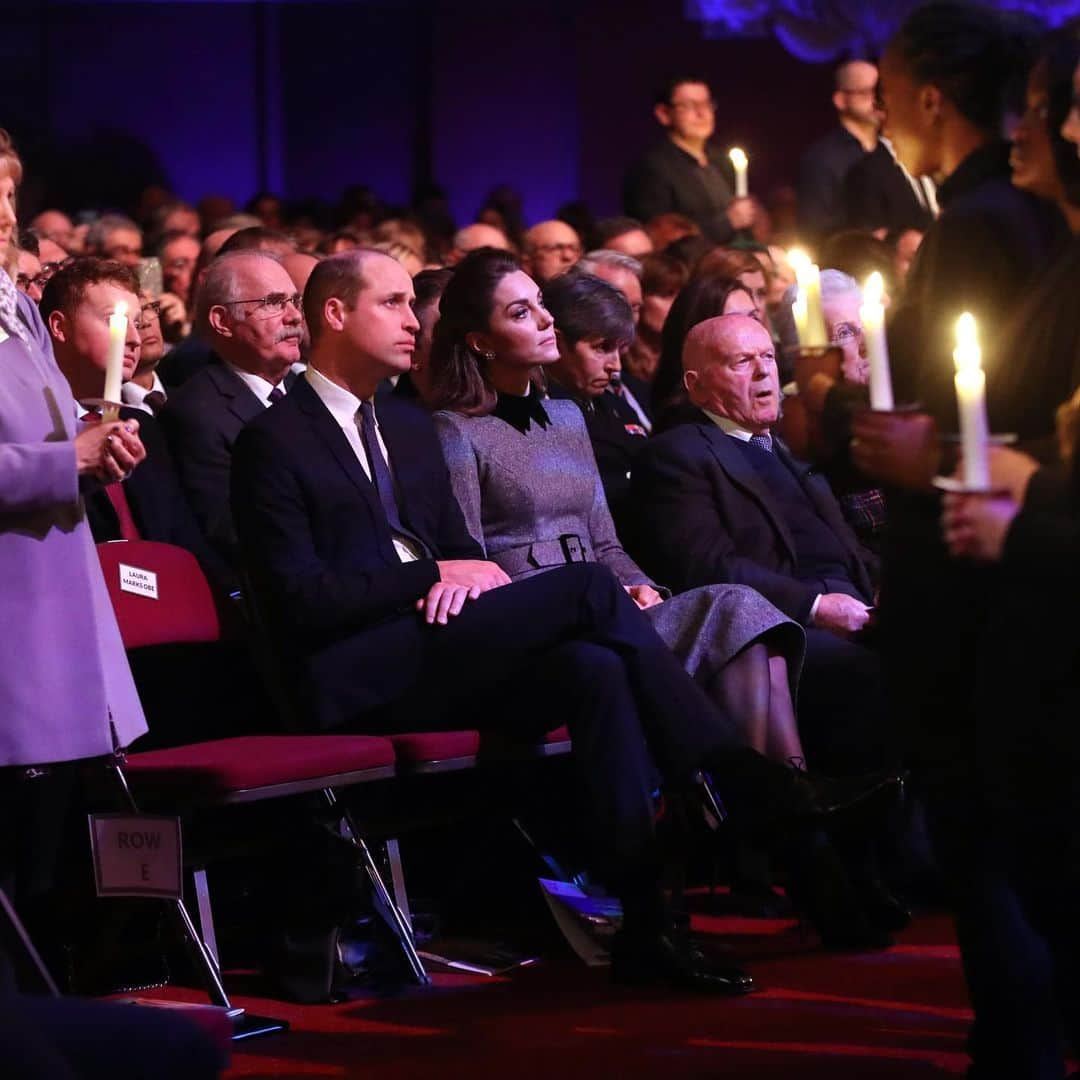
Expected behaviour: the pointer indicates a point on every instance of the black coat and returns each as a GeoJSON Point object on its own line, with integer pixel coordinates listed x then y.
{"type": "Point", "coordinates": [202, 420]}
{"type": "Point", "coordinates": [877, 195]}
{"type": "Point", "coordinates": [669, 180]}
{"type": "Point", "coordinates": [158, 505]}
{"type": "Point", "coordinates": [319, 552]}
{"type": "Point", "coordinates": [822, 172]}
{"type": "Point", "coordinates": [704, 516]}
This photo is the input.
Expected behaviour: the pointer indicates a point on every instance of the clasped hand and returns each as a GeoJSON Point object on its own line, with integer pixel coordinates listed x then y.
{"type": "Point", "coordinates": [459, 580]}
{"type": "Point", "coordinates": [109, 451]}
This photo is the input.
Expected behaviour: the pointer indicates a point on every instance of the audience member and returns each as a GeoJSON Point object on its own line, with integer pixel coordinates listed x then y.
{"type": "Point", "coordinates": [860, 254]}
{"type": "Point", "coordinates": [665, 229]}
{"type": "Point", "coordinates": [684, 173]}
{"type": "Point", "coordinates": [824, 166]}
{"type": "Point", "coordinates": [745, 267]}
{"type": "Point", "coordinates": [268, 209]}
{"type": "Point", "coordinates": [249, 314]}
{"type": "Point", "coordinates": [473, 237]}
{"type": "Point", "coordinates": [502, 208]}
{"type": "Point", "coordinates": [145, 390]}
{"type": "Point", "coordinates": [176, 217]}
{"type": "Point", "coordinates": [29, 277]}
{"type": "Point", "coordinates": [114, 236]}
{"type": "Point", "coordinates": [428, 286]}
{"type": "Point", "coordinates": [623, 234]}
{"type": "Point", "coordinates": [550, 249]}
{"type": "Point", "coordinates": [703, 298]}
{"type": "Point", "coordinates": [54, 225]}
{"type": "Point", "coordinates": [148, 504]}
{"type": "Point", "coordinates": [905, 246]}
{"type": "Point", "coordinates": [179, 253]}
{"type": "Point", "coordinates": [661, 279]}
{"type": "Point", "coordinates": [352, 566]}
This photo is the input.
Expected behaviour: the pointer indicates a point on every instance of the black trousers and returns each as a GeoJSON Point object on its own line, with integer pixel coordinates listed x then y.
{"type": "Point", "coordinates": [570, 647]}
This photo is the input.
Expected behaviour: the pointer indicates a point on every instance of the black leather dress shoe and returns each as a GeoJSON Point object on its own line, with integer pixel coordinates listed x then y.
{"type": "Point", "coordinates": [672, 957]}
{"type": "Point", "coordinates": [826, 796]}
{"type": "Point", "coordinates": [883, 910]}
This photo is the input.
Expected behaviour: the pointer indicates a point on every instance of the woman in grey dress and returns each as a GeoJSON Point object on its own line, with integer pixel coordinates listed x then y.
{"type": "Point", "coordinates": [525, 475]}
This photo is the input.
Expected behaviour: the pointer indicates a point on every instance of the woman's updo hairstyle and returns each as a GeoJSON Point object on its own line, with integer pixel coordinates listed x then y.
{"type": "Point", "coordinates": [457, 377]}
{"type": "Point", "coordinates": [976, 57]}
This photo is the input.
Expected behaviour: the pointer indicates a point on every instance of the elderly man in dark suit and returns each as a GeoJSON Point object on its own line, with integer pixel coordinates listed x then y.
{"type": "Point", "coordinates": [361, 560]}
{"type": "Point", "coordinates": [722, 500]}
{"type": "Point", "coordinates": [249, 312]}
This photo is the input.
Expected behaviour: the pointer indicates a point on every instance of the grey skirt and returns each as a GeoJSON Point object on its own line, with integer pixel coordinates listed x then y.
{"type": "Point", "coordinates": [707, 627]}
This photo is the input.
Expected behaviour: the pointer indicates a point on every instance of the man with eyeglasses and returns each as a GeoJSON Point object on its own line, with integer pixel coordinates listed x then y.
{"type": "Point", "coordinates": [551, 248]}
{"type": "Point", "coordinates": [145, 390]}
{"type": "Point", "coordinates": [149, 503]}
{"type": "Point", "coordinates": [248, 311]}
{"type": "Point", "coordinates": [822, 205]}
{"type": "Point", "coordinates": [684, 173]}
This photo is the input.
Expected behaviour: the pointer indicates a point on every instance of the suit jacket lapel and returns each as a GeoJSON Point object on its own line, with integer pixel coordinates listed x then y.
{"type": "Point", "coordinates": [742, 474]}
{"type": "Point", "coordinates": [404, 466]}
{"type": "Point", "coordinates": [242, 403]}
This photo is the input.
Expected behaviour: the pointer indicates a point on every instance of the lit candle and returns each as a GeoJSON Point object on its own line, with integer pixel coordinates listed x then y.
{"type": "Point", "coordinates": [971, 403]}
{"type": "Point", "coordinates": [741, 163]}
{"type": "Point", "coordinates": [872, 316]}
{"type": "Point", "coordinates": [114, 365]}
{"type": "Point", "coordinates": [809, 318]}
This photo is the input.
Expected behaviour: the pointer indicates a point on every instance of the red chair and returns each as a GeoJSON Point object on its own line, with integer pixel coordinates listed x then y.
{"type": "Point", "coordinates": [161, 597]}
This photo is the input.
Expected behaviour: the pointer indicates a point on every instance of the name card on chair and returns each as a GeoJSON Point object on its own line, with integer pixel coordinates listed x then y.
{"type": "Point", "coordinates": [139, 582]}
{"type": "Point", "coordinates": [136, 855]}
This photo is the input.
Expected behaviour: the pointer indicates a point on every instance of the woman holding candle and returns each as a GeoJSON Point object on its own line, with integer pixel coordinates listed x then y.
{"type": "Point", "coordinates": [65, 691]}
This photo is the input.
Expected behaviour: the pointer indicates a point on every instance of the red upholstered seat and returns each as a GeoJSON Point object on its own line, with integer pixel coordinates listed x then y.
{"type": "Point", "coordinates": [561, 734]}
{"type": "Point", "coordinates": [256, 761]}
{"type": "Point", "coordinates": [176, 604]}
{"type": "Point", "coordinates": [425, 747]}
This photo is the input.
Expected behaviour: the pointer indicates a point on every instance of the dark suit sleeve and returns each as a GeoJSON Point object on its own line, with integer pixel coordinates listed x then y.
{"type": "Point", "coordinates": [647, 192]}
{"type": "Point", "coordinates": [687, 540]}
{"type": "Point", "coordinates": [180, 526]}
{"type": "Point", "coordinates": [274, 528]}
{"type": "Point", "coordinates": [203, 461]}
{"type": "Point", "coordinates": [1043, 542]}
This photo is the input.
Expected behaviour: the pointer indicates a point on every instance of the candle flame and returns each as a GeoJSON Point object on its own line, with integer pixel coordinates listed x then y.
{"type": "Point", "coordinates": [967, 355]}
{"type": "Point", "coordinates": [738, 157]}
{"type": "Point", "coordinates": [798, 259]}
{"type": "Point", "coordinates": [874, 289]}
{"type": "Point", "coordinates": [120, 311]}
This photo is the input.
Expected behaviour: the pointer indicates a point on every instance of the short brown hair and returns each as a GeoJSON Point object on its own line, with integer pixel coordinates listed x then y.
{"type": "Point", "coordinates": [728, 263]}
{"type": "Point", "coordinates": [340, 276]}
{"type": "Point", "coordinates": [67, 287]}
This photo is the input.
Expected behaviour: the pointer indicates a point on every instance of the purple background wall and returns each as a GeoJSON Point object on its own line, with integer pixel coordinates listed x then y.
{"type": "Point", "coordinates": [305, 98]}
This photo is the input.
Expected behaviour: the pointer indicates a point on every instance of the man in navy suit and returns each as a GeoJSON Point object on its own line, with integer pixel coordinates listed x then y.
{"type": "Point", "coordinates": [359, 558]}
{"type": "Point", "coordinates": [723, 500]}
{"type": "Point", "coordinates": [249, 313]}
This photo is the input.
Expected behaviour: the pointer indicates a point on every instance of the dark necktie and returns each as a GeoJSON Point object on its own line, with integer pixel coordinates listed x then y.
{"type": "Point", "coordinates": [275, 395]}
{"type": "Point", "coordinates": [762, 442]}
{"type": "Point", "coordinates": [381, 478]}
{"type": "Point", "coordinates": [154, 401]}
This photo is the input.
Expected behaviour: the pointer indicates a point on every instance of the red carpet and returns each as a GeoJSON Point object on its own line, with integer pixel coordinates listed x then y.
{"type": "Point", "coordinates": [901, 1013]}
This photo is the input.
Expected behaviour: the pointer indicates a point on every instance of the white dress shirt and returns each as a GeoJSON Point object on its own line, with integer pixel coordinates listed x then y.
{"type": "Point", "coordinates": [259, 386]}
{"type": "Point", "coordinates": [134, 395]}
{"type": "Point", "coordinates": [344, 407]}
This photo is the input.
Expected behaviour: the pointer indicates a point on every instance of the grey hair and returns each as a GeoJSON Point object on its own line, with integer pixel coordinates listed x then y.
{"type": "Point", "coordinates": [219, 285]}
{"type": "Point", "coordinates": [615, 260]}
{"type": "Point", "coordinates": [833, 283]}
{"type": "Point", "coordinates": [105, 226]}
{"type": "Point", "coordinates": [837, 283]}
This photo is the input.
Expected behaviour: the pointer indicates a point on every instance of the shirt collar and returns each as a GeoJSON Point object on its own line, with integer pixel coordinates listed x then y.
{"type": "Point", "coordinates": [729, 427]}
{"type": "Point", "coordinates": [131, 393]}
{"type": "Point", "coordinates": [342, 404]}
{"type": "Point", "coordinates": [257, 384]}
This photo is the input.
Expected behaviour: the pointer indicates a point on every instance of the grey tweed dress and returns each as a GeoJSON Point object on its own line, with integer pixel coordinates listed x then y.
{"type": "Point", "coordinates": [534, 500]}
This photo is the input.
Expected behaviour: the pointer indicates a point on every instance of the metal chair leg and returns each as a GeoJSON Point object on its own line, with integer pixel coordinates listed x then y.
{"type": "Point", "coordinates": [206, 913]}
{"type": "Point", "coordinates": [384, 902]}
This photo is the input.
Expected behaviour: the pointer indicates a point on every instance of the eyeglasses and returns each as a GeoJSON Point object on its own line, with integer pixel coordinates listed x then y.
{"type": "Point", "coordinates": [573, 250]}
{"type": "Point", "coordinates": [148, 313]}
{"type": "Point", "coordinates": [25, 281]}
{"type": "Point", "coordinates": [271, 304]}
{"type": "Point", "coordinates": [846, 333]}
{"type": "Point", "coordinates": [706, 106]}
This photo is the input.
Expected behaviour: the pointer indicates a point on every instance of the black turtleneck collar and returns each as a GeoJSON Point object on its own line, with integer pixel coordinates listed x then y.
{"type": "Point", "coordinates": [519, 412]}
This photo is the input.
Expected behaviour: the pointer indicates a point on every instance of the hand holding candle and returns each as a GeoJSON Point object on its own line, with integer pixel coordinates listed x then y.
{"type": "Point", "coordinates": [807, 310]}
{"type": "Point", "coordinates": [114, 364]}
{"type": "Point", "coordinates": [740, 163]}
{"type": "Point", "coordinates": [872, 315]}
{"type": "Point", "coordinates": [971, 403]}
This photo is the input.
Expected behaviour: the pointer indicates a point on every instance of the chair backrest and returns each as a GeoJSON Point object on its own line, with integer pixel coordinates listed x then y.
{"type": "Point", "coordinates": [159, 593]}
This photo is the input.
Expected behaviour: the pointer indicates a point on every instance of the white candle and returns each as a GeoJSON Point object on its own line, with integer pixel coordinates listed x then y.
{"type": "Point", "coordinates": [114, 364]}
{"type": "Point", "coordinates": [971, 403]}
{"type": "Point", "coordinates": [741, 164]}
{"type": "Point", "coordinates": [872, 316]}
{"type": "Point", "coordinates": [812, 333]}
